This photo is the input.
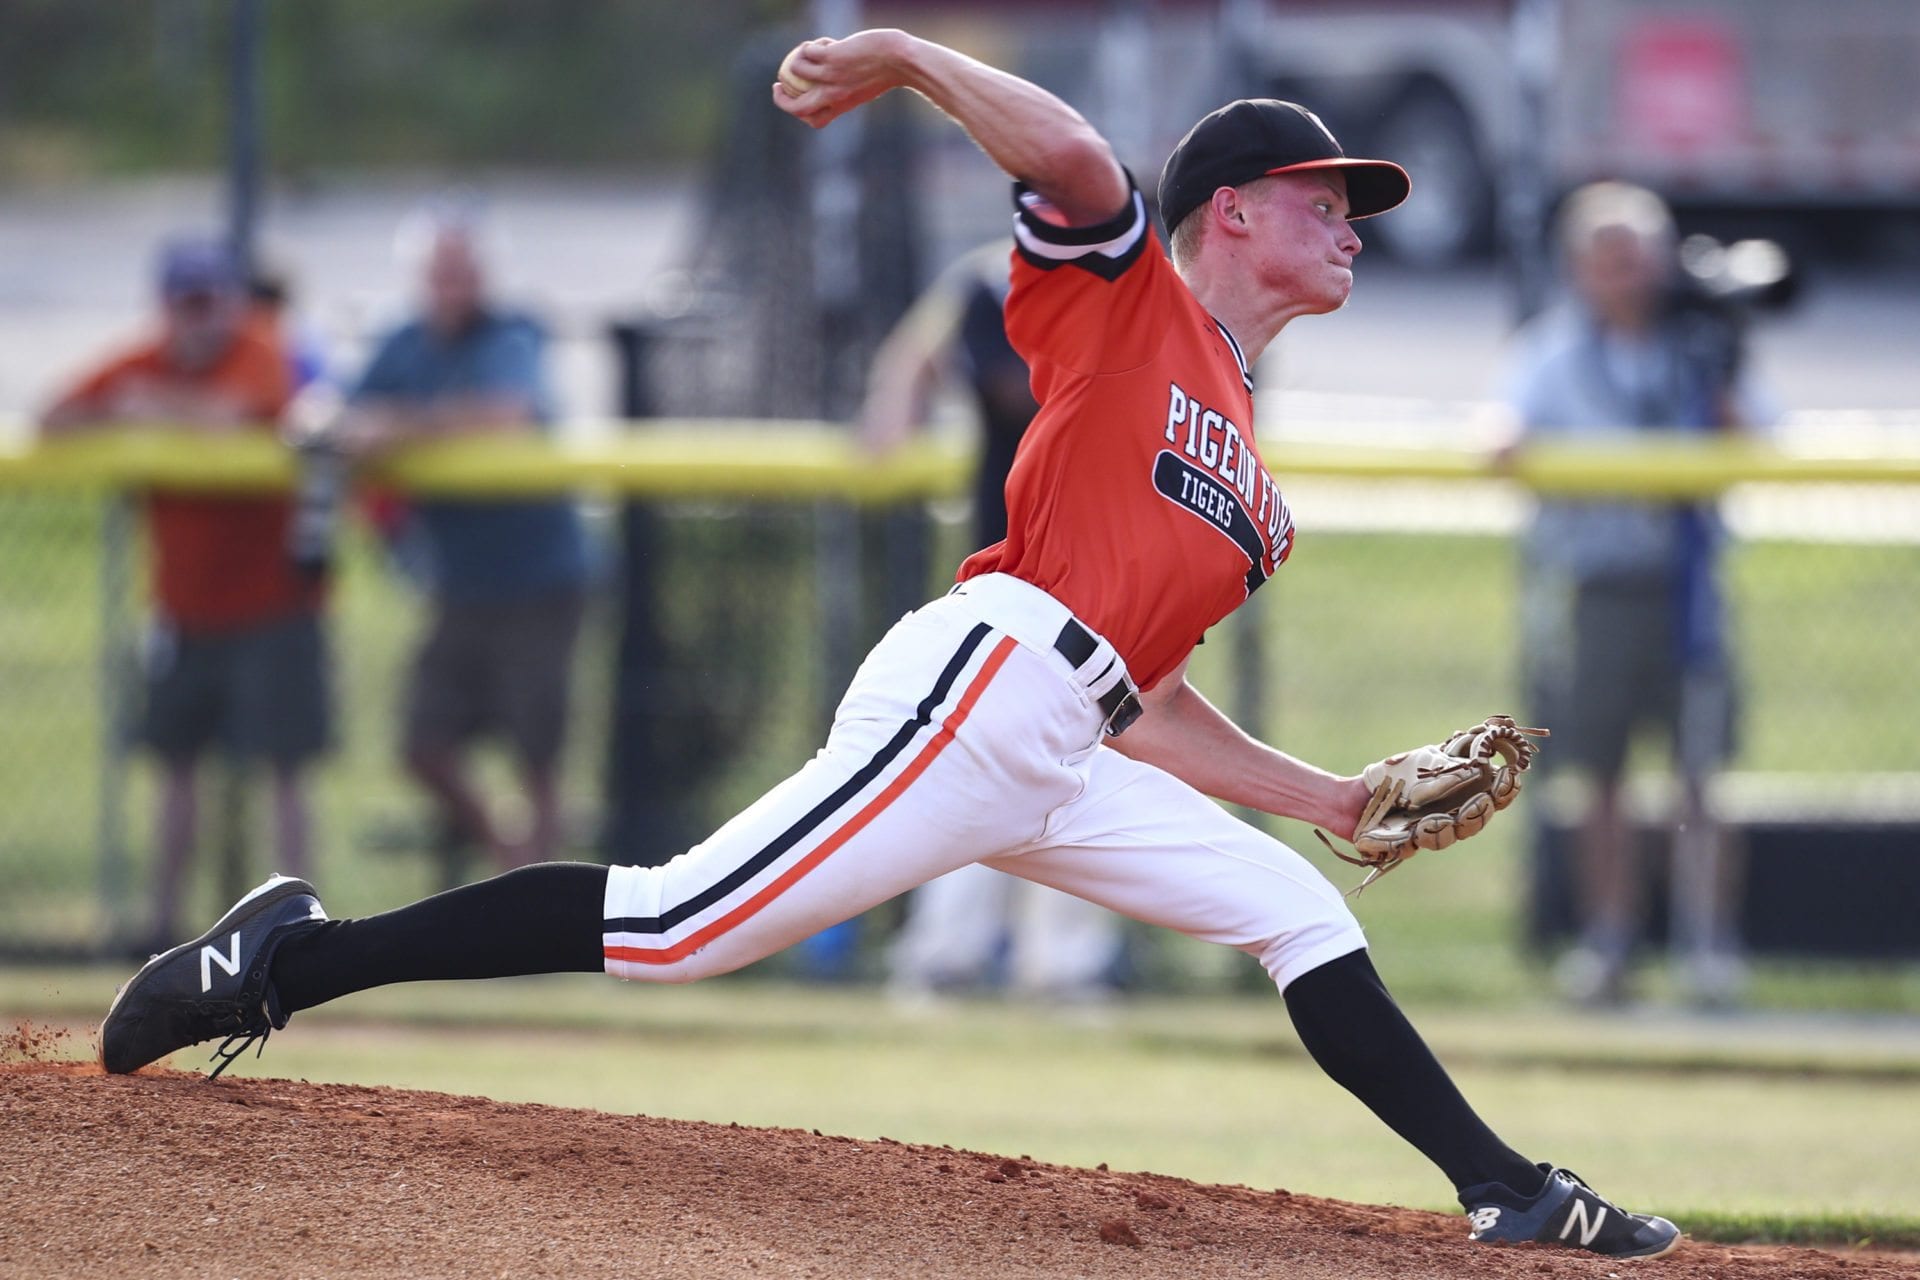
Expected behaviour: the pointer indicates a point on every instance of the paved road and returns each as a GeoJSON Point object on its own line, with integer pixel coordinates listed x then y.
{"type": "Point", "coordinates": [73, 267]}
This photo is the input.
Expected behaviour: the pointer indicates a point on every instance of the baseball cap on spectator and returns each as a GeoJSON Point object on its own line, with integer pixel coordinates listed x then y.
{"type": "Point", "coordinates": [1260, 137]}
{"type": "Point", "coordinates": [196, 265]}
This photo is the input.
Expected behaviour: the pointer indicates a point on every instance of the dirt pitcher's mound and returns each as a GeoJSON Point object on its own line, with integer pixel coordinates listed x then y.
{"type": "Point", "coordinates": [167, 1174]}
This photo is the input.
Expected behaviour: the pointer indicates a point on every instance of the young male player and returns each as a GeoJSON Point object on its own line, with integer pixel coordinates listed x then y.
{"type": "Point", "coordinates": [1038, 717]}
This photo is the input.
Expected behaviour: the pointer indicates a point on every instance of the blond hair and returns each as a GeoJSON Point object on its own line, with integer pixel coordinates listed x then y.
{"type": "Point", "coordinates": [1183, 241]}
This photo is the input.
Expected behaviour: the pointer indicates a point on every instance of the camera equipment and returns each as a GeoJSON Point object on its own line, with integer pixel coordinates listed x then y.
{"type": "Point", "coordinates": [1717, 291]}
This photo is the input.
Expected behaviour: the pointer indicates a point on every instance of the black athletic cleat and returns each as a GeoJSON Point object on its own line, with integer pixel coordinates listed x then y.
{"type": "Point", "coordinates": [1565, 1212]}
{"type": "Point", "coordinates": [214, 986]}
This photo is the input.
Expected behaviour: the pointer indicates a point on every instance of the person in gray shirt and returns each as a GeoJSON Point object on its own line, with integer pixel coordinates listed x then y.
{"type": "Point", "coordinates": [1622, 597]}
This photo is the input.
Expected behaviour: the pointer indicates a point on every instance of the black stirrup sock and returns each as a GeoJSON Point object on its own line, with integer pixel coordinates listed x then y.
{"type": "Point", "coordinates": [545, 918]}
{"type": "Point", "coordinates": [1358, 1035]}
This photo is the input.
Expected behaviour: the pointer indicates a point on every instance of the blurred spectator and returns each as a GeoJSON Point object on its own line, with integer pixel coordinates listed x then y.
{"type": "Point", "coordinates": [977, 926]}
{"type": "Point", "coordinates": [507, 577]}
{"type": "Point", "coordinates": [956, 331]}
{"type": "Point", "coordinates": [269, 313]}
{"type": "Point", "coordinates": [1623, 598]}
{"type": "Point", "coordinates": [235, 658]}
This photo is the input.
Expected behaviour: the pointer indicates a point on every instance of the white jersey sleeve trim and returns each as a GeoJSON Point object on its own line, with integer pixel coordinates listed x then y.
{"type": "Point", "coordinates": [1118, 240]}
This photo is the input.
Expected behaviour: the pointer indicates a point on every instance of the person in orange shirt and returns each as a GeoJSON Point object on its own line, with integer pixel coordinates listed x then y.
{"type": "Point", "coordinates": [235, 657]}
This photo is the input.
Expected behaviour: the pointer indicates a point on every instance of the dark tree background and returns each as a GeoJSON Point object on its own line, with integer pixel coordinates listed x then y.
{"type": "Point", "coordinates": [101, 85]}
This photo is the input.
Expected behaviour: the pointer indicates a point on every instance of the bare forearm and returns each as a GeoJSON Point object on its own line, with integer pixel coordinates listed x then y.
{"type": "Point", "coordinates": [898, 389]}
{"type": "Point", "coordinates": [1193, 740]}
{"type": "Point", "coordinates": [1031, 134]}
{"type": "Point", "coordinates": [207, 413]}
{"type": "Point", "coordinates": [70, 418]}
{"type": "Point", "coordinates": [476, 414]}
{"type": "Point", "coordinates": [373, 428]}
{"type": "Point", "coordinates": [449, 415]}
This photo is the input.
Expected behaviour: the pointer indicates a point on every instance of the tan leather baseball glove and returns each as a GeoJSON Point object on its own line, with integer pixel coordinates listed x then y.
{"type": "Point", "coordinates": [1431, 796]}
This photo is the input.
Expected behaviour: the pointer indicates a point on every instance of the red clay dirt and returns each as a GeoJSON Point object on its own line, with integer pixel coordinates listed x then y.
{"type": "Point", "coordinates": [167, 1174]}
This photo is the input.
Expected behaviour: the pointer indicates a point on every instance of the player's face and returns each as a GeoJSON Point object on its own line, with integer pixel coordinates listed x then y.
{"type": "Point", "coordinates": [1304, 244]}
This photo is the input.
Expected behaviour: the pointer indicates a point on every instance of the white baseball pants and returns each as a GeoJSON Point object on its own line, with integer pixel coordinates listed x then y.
{"type": "Point", "coordinates": [966, 737]}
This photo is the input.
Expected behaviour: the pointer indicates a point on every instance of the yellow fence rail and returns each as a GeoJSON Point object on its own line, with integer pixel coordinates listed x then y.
{"type": "Point", "coordinates": [689, 458]}
{"type": "Point", "coordinates": [765, 586]}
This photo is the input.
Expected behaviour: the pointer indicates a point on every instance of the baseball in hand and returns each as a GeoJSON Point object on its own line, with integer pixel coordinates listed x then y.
{"type": "Point", "coordinates": [796, 84]}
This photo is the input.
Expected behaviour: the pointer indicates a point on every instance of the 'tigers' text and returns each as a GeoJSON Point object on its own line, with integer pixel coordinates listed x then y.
{"type": "Point", "coordinates": [1215, 442]}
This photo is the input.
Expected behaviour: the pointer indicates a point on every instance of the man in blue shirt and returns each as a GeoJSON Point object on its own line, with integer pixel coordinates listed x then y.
{"type": "Point", "coordinates": [1623, 596]}
{"type": "Point", "coordinates": [507, 577]}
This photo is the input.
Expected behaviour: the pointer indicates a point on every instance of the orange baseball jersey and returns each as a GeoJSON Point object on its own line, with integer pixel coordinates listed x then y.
{"type": "Point", "coordinates": [1138, 498]}
{"type": "Point", "coordinates": [219, 560]}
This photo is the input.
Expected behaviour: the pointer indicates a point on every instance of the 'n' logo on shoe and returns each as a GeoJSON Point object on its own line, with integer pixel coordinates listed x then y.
{"type": "Point", "coordinates": [1577, 1212]}
{"type": "Point", "coordinates": [210, 956]}
{"type": "Point", "coordinates": [1485, 1218]}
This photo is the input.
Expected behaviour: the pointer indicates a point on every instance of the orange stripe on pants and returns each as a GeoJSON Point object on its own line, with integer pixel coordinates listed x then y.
{"type": "Point", "coordinates": [847, 830]}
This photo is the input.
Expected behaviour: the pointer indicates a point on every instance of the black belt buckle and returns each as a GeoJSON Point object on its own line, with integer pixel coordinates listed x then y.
{"type": "Point", "coordinates": [1124, 714]}
{"type": "Point", "coordinates": [1119, 705]}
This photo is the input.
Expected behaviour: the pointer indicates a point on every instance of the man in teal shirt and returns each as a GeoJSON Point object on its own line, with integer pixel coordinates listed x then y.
{"type": "Point", "coordinates": [507, 577]}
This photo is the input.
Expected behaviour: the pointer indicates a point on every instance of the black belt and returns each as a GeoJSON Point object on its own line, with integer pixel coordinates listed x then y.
{"type": "Point", "coordinates": [1120, 705]}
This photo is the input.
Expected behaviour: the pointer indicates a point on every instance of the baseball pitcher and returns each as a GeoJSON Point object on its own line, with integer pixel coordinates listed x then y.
{"type": "Point", "coordinates": [1038, 717]}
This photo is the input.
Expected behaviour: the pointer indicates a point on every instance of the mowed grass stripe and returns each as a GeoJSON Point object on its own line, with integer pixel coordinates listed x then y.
{"type": "Point", "coordinates": [1186, 1090]}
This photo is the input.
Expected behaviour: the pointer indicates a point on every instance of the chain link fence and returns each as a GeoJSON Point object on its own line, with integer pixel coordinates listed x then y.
{"type": "Point", "coordinates": [1375, 635]}
{"type": "Point", "coordinates": [64, 643]}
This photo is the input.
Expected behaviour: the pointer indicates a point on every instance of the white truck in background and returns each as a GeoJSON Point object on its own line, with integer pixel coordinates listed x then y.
{"type": "Point", "coordinates": [1776, 106]}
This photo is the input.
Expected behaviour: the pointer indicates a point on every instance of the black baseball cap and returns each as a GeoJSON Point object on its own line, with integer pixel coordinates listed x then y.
{"type": "Point", "coordinates": [1259, 137]}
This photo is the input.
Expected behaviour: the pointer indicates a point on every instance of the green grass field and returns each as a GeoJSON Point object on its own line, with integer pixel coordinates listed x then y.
{"type": "Point", "coordinates": [1789, 1123]}
{"type": "Point", "coordinates": [1371, 641]}
{"type": "Point", "coordinates": [1775, 1127]}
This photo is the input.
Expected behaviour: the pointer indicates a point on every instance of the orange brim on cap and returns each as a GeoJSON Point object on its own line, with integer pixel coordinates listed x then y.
{"type": "Point", "coordinates": [1373, 186]}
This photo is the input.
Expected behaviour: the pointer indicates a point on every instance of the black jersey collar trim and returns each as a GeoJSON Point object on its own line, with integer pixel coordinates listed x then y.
{"type": "Point", "coordinates": [1239, 356]}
